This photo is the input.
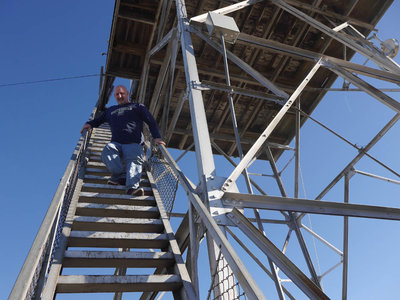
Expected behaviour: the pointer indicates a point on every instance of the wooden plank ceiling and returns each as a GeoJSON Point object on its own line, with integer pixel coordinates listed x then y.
{"type": "Point", "coordinates": [138, 25]}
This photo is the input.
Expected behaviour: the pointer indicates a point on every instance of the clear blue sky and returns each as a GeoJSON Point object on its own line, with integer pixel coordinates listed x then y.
{"type": "Point", "coordinates": [40, 126]}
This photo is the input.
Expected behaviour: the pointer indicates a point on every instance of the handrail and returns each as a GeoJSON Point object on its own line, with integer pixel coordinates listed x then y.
{"type": "Point", "coordinates": [243, 276]}
{"type": "Point", "coordinates": [38, 248]}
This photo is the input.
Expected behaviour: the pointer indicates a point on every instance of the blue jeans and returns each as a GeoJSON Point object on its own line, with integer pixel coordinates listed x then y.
{"type": "Point", "coordinates": [132, 155]}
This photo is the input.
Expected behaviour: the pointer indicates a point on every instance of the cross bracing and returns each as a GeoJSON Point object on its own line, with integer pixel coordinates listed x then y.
{"type": "Point", "coordinates": [249, 100]}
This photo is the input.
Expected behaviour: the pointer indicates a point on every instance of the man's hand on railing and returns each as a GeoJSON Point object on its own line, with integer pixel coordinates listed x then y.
{"type": "Point", "coordinates": [158, 141]}
{"type": "Point", "coordinates": [86, 127]}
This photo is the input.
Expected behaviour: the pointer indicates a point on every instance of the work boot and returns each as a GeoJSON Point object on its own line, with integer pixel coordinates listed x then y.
{"type": "Point", "coordinates": [118, 181]}
{"type": "Point", "coordinates": [136, 192]}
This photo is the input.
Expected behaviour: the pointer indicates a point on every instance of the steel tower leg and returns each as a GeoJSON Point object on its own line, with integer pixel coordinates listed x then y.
{"type": "Point", "coordinates": [204, 155]}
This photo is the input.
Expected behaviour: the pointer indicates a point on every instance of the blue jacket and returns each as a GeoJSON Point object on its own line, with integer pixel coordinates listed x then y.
{"type": "Point", "coordinates": [126, 122]}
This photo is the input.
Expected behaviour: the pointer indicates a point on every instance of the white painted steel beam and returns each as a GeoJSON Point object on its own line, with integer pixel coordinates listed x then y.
{"type": "Point", "coordinates": [225, 10]}
{"type": "Point", "coordinates": [163, 42]}
{"type": "Point", "coordinates": [257, 260]}
{"type": "Point", "coordinates": [377, 177]}
{"type": "Point", "coordinates": [241, 64]}
{"type": "Point", "coordinates": [242, 274]}
{"type": "Point", "coordinates": [234, 164]}
{"type": "Point", "coordinates": [161, 76]}
{"type": "Point", "coordinates": [297, 150]}
{"type": "Point", "coordinates": [368, 147]}
{"type": "Point", "coordinates": [356, 159]}
{"type": "Point", "coordinates": [245, 174]}
{"type": "Point", "coordinates": [377, 57]}
{"type": "Point", "coordinates": [177, 112]}
{"type": "Point", "coordinates": [180, 268]}
{"type": "Point", "coordinates": [310, 206]}
{"type": "Point", "coordinates": [208, 85]}
{"type": "Point", "coordinates": [204, 156]}
{"type": "Point", "coordinates": [310, 55]}
{"type": "Point", "coordinates": [294, 225]}
{"type": "Point", "coordinates": [331, 14]}
{"type": "Point", "coordinates": [366, 87]}
{"type": "Point", "coordinates": [267, 132]}
{"type": "Point", "coordinates": [265, 245]}
{"type": "Point", "coordinates": [345, 240]}
{"type": "Point", "coordinates": [321, 239]}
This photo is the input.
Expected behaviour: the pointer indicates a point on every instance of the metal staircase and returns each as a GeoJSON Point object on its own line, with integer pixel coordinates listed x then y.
{"type": "Point", "coordinates": [105, 228]}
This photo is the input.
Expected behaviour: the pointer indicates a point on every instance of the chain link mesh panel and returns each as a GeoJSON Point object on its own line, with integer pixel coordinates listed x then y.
{"type": "Point", "coordinates": [224, 285]}
{"type": "Point", "coordinates": [164, 178]}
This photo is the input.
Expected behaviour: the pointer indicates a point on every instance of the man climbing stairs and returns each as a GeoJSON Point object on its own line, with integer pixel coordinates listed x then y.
{"type": "Point", "coordinates": [105, 229]}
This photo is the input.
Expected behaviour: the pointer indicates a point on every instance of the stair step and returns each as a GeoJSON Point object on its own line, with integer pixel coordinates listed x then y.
{"type": "Point", "coordinates": [119, 211]}
{"type": "Point", "coordinates": [95, 158]}
{"type": "Point", "coordinates": [103, 130]}
{"type": "Point", "coordinates": [100, 138]}
{"type": "Point", "coordinates": [98, 144]}
{"type": "Point", "coordinates": [96, 178]}
{"type": "Point", "coordinates": [103, 180]}
{"type": "Point", "coordinates": [112, 283]}
{"type": "Point", "coordinates": [102, 133]}
{"type": "Point", "coordinates": [95, 153]}
{"type": "Point", "coordinates": [108, 188]}
{"type": "Point", "coordinates": [93, 164]}
{"type": "Point", "coordinates": [117, 239]}
{"type": "Point", "coordinates": [115, 259]}
{"type": "Point", "coordinates": [117, 224]}
{"type": "Point", "coordinates": [96, 171]}
{"type": "Point", "coordinates": [91, 148]}
{"type": "Point", "coordinates": [100, 172]}
{"type": "Point", "coordinates": [103, 198]}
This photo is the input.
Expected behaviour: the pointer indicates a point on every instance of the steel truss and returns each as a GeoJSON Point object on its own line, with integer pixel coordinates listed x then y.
{"type": "Point", "coordinates": [216, 205]}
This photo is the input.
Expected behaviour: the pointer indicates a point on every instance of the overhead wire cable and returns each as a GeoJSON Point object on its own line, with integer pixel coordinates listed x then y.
{"type": "Point", "coordinates": [47, 80]}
